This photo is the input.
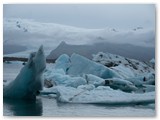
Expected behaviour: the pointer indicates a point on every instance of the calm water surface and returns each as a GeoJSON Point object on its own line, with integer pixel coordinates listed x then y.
{"type": "Point", "coordinates": [44, 106]}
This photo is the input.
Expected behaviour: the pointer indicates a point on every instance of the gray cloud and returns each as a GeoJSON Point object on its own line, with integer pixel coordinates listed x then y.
{"type": "Point", "coordinates": [86, 15]}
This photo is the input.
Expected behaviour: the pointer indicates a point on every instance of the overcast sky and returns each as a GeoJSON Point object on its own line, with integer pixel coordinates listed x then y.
{"type": "Point", "coordinates": [86, 15]}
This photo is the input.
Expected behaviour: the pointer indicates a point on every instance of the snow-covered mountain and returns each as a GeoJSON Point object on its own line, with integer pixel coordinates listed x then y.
{"type": "Point", "coordinates": [31, 34]}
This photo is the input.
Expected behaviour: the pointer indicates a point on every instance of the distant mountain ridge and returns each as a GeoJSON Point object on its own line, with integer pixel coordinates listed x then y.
{"type": "Point", "coordinates": [126, 50]}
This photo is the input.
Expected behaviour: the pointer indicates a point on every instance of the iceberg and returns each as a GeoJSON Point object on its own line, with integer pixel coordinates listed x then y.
{"type": "Point", "coordinates": [117, 83]}
{"type": "Point", "coordinates": [139, 81]}
{"type": "Point", "coordinates": [152, 61]}
{"type": "Point", "coordinates": [124, 66]}
{"type": "Point", "coordinates": [94, 80]}
{"type": "Point", "coordinates": [81, 65]}
{"type": "Point", "coordinates": [29, 80]}
{"type": "Point", "coordinates": [80, 80]}
{"type": "Point", "coordinates": [63, 62]}
{"type": "Point", "coordinates": [59, 78]}
{"type": "Point", "coordinates": [124, 71]}
{"type": "Point", "coordinates": [103, 95]}
{"type": "Point", "coordinates": [148, 88]}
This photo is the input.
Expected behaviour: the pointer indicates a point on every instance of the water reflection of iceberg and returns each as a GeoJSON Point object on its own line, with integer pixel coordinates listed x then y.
{"type": "Point", "coordinates": [24, 107]}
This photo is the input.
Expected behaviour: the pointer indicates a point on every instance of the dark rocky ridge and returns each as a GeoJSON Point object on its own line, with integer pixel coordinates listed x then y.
{"type": "Point", "coordinates": [126, 50]}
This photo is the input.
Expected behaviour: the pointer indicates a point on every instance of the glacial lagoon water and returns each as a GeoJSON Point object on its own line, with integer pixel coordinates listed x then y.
{"type": "Point", "coordinates": [44, 106]}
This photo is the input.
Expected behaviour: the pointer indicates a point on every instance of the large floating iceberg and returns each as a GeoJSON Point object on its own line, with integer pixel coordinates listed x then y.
{"type": "Point", "coordinates": [100, 95]}
{"type": "Point", "coordinates": [80, 80]}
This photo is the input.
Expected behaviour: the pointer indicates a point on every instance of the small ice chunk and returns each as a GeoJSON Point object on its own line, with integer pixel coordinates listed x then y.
{"type": "Point", "coordinates": [117, 83]}
{"type": "Point", "coordinates": [67, 80]}
{"type": "Point", "coordinates": [63, 62]}
{"type": "Point", "coordinates": [92, 79]}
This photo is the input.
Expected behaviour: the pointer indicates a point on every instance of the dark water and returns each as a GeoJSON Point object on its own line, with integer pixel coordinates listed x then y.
{"type": "Point", "coordinates": [45, 106]}
{"type": "Point", "coordinates": [22, 107]}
